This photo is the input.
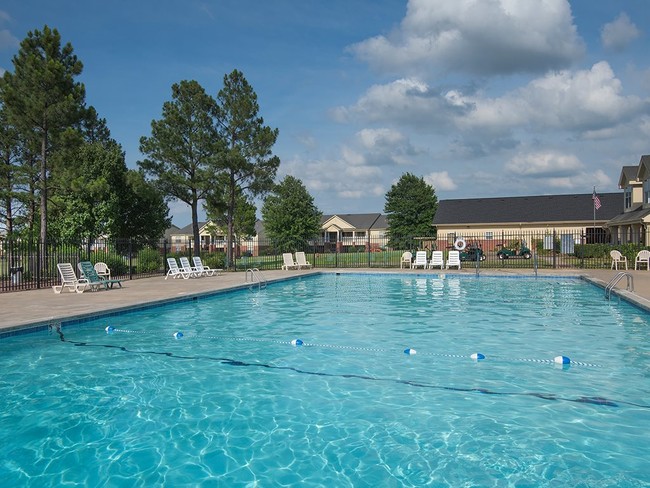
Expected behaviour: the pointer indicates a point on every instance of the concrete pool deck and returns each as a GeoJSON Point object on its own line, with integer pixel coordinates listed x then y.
{"type": "Point", "coordinates": [28, 309]}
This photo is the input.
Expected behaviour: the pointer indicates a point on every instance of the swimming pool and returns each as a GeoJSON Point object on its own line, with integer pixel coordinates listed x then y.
{"type": "Point", "coordinates": [234, 403]}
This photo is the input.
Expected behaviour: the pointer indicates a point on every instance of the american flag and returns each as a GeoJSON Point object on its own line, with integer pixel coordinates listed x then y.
{"type": "Point", "coordinates": [596, 200]}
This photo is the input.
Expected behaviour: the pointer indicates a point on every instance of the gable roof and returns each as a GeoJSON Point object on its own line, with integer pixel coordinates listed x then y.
{"type": "Point", "coordinates": [628, 176]}
{"type": "Point", "coordinates": [643, 168]}
{"type": "Point", "coordinates": [357, 221]}
{"type": "Point", "coordinates": [547, 208]}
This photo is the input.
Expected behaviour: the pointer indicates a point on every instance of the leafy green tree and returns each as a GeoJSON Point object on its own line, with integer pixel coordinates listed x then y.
{"type": "Point", "coordinates": [43, 99]}
{"type": "Point", "coordinates": [410, 206]}
{"type": "Point", "coordinates": [246, 159]}
{"type": "Point", "coordinates": [9, 157]}
{"type": "Point", "coordinates": [290, 216]}
{"type": "Point", "coordinates": [144, 214]}
{"type": "Point", "coordinates": [182, 148]}
{"type": "Point", "coordinates": [216, 207]}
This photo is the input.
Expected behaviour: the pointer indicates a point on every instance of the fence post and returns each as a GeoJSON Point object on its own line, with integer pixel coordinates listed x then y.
{"type": "Point", "coordinates": [130, 258]}
{"type": "Point", "coordinates": [554, 253]}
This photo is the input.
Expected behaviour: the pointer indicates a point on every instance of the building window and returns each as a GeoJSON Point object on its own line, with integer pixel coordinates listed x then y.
{"type": "Point", "coordinates": [646, 191]}
{"type": "Point", "coordinates": [628, 196]}
{"type": "Point", "coordinates": [361, 233]}
{"type": "Point", "coordinates": [489, 235]}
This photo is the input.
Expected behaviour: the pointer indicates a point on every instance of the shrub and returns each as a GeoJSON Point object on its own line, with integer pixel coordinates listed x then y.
{"type": "Point", "coordinates": [149, 260]}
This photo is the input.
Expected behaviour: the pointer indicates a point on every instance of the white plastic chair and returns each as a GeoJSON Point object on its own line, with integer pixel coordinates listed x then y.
{"type": "Point", "coordinates": [642, 257]}
{"type": "Point", "coordinates": [437, 259]}
{"type": "Point", "coordinates": [301, 260]}
{"type": "Point", "coordinates": [617, 258]}
{"type": "Point", "coordinates": [405, 262]}
{"type": "Point", "coordinates": [289, 263]}
{"type": "Point", "coordinates": [102, 270]}
{"type": "Point", "coordinates": [453, 259]}
{"type": "Point", "coordinates": [420, 260]}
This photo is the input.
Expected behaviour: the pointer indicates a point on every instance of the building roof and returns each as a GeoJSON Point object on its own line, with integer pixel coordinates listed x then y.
{"type": "Point", "coordinates": [630, 217]}
{"type": "Point", "coordinates": [545, 208]}
{"type": "Point", "coordinates": [359, 221]}
{"type": "Point", "coordinates": [628, 176]}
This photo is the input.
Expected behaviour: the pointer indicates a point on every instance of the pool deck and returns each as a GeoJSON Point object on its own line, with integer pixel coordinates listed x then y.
{"type": "Point", "coordinates": [38, 308]}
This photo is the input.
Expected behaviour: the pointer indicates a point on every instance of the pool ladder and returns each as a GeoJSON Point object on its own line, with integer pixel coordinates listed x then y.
{"type": "Point", "coordinates": [612, 283]}
{"type": "Point", "coordinates": [256, 277]}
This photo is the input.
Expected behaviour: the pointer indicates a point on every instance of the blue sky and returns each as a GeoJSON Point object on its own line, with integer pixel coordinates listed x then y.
{"type": "Point", "coordinates": [482, 98]}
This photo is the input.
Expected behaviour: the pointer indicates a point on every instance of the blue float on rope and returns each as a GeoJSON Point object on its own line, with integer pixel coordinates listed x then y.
{"type": "Point", "coordinates": [178, 335]}
{"type": "Point", "coordinates": [297, 342]}
{"type": "Point", "coordinates": [410, 351]}
{"type": "Point", "coordinates": [477, 356]}
{"type": "Point", "coordinates": [109, 329]}
{"type": "Point", "coordinates": [561, 360]}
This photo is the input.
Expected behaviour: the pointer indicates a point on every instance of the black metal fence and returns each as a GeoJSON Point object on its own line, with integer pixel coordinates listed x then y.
{"type": "Point", "coordinates": [26, 265]}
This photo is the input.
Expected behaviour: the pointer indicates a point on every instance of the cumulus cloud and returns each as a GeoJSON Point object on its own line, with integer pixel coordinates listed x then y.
{"type": "Point", "coordinates": [477, 36]}
{"type": "Point", "coordinates": [583, 101]}
{"type": "Point", "coordinates": [554, 170]}
{"type": "Point", "coordinates": [548, 164]}
{"type": "Point", "coordinates": [440, 181]}
{"type": "Point", "coordinates": [619, 33]}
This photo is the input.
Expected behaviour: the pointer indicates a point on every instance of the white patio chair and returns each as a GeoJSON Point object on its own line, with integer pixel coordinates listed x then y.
{"type": "Point", "coordinates": [437, 259]}
{"type": "Point", "coordinates": [174, 270]}
{"type": "Point", "coordinates": [301, 260]}
{"type": "Point", "coordinates": [453, 259]}
{"type": "Point", "coordinates": [617, 258]}
{"type": "Point", "coordinates": [69, 280]}
{"type": "Point", "coordinates": [405, 261]}
{"type": "Point", "coordinates": [420, 260]}
{"type": "Point", "coordinates": [289, 263]}
{"type": "Point", "coordinates": [642, 257]}
{"type": "Point", "coordinates": [185, 265]}
{"type": "Point", "coordinates": [202, 268]}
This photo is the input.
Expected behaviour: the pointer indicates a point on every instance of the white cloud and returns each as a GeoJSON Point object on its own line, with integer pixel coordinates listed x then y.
{"type": "Point", "coordinates": [440, 181]}
{"type": "Point", "coordinates": [548, 164]}
{"type": "Point", "coordinates": [477, 36]}
{"type": "Point", "coordinates": [7, 40]}
{"type": "Point", "coordinates": [619, 33]}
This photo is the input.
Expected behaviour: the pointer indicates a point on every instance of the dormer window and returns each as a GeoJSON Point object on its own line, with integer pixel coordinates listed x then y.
{"type": "Point", "coordinates": [646, 191]}
{"type": "Point", "coordinates": [628, 197]}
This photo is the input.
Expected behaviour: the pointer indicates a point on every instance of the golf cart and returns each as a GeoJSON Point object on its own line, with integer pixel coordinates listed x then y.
{"type": "Point", "coordinates": [516, 249]}
{"type": "Point", "coordinates": [472, 252]}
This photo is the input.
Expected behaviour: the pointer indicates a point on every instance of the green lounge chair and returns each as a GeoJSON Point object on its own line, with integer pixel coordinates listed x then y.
{"type": "Point", "coordinates": [94, 280]}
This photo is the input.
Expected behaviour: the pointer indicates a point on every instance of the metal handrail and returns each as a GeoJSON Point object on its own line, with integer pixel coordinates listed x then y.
{"type": "Point", "coordinates": [256, 277]}
{"type": "Point", "coordinates": [612, 283]}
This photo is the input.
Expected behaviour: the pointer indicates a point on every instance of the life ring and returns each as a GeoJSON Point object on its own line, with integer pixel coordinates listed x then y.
{"type": "Point", "coordinates": [460, 244]}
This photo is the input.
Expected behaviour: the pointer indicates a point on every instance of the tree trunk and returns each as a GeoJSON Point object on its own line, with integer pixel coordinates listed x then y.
{"type": "Point", "coordinates": [43, 188]}
{"type": "Point", "coordinates": [231, 220]}
{"type": "Point", "coordinates": [195, 227]}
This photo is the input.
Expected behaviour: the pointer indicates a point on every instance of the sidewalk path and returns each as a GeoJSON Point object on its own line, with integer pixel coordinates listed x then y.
{"type": "Point", "coordinates": [28, 309]}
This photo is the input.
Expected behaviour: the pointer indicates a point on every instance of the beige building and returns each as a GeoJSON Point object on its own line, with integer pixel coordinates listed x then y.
{"type": "Point", "coordinates": [494, 222]}
{"type": "Point", "coordinates": [342, 231]}
{"type": "Point", "coordinates": [632, 224]}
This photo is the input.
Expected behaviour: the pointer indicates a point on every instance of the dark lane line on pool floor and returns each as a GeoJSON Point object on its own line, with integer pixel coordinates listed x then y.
{"type": "Point", "coordinates": [593, 400]}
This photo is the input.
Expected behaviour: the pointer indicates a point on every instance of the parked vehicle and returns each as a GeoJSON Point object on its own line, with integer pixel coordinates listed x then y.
{"type": "Point", "coordinates": [516, 250]}
{"type": "Point", "coordinates": [472, 252]}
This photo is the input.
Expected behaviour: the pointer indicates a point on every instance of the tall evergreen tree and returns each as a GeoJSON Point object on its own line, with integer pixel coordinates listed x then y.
{"type": "Point", "coordinates": [182, 147]}
{"type": "Point", "coordinates": [42, 98]}
{"type": "Point", "coordinates": [410, 206]}
{"type": "Point", "coordinates": [247, 159]}
{"type": "Point", "coordinates": [290, 216]}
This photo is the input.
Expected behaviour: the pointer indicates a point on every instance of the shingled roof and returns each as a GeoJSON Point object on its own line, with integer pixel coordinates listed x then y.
{"type": "Point", "coordinates": [531, 209]}
{"type": "Point", "coordinates": [360, 221]}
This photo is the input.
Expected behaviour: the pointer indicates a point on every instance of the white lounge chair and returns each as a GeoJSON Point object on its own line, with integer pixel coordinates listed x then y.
{"type": "Point", "coordinates": [69, 280]}
{"type": "Point", "coordinates": [642, 257]}
{"type": "Point", "coordinates": [420, 260]}
{"type": "Point", "coordinates": [453, 259]}
{"type": "Point", "coordinates": [206, 270]}
{"type": "Point", "coordinates": [185, 265]}
{"type": "Point", "coordinates": [289, 263]}
{"type": "Point", "coordinates": [405, 262]}
{"type": "Point", "coordinates": [301, 260]}
{"type": "Point", "coordinates": [174, 270]}
{"type": "Point", "coordinates": [617, 258]}
{"type": "Point", "coordinates": [437, 259]}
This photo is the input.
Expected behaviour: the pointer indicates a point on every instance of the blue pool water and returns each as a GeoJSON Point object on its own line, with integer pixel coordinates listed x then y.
{"type": "Point", "coordinates": [233, 403]}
